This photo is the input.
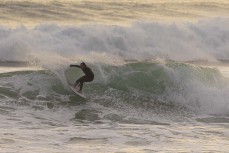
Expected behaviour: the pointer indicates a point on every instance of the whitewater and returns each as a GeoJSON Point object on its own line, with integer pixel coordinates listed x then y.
{"type": "Point", "coordinates": [161, 76]}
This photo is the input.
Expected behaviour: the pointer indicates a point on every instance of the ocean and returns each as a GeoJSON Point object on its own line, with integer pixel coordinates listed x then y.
{"type": "Point", "coordinates": [161, 76]}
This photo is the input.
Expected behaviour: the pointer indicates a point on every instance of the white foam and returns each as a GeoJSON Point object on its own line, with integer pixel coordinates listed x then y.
{"type": "Point", "coordinates": [53, 44]}
{"type": "Point", "coordinates": [203, 93]}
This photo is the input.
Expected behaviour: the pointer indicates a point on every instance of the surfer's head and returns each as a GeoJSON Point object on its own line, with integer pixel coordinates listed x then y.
{"type": "Point", "coordinates": [82, 65]}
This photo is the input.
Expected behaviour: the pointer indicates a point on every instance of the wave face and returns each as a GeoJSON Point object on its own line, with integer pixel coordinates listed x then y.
{"type": "Point", "coordinates": [108, 50]}
{"type": "Point", "coordinates": [205, 40]}
{"type": "Point", "coordinates": [170, 87]}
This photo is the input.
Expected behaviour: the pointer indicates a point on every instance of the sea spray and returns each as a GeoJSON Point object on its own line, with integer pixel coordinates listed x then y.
{"type": "Point", "coordinates": [204, 40]}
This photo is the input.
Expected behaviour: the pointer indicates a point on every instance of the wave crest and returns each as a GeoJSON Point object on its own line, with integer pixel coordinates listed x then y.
{"type": "Point", "coordinates": [204, 40]}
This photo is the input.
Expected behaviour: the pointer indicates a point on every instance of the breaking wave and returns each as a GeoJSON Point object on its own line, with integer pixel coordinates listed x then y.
{"type": "Point", "coordinates": [205, 40]}
{"type": "Point", "coordinates": [143, 65]}
{"type": "Point", "coordinates": [144, 85]}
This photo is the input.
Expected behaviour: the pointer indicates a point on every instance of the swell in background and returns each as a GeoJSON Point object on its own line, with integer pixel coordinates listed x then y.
{"type": "Point", "coordinates": [34, 12]}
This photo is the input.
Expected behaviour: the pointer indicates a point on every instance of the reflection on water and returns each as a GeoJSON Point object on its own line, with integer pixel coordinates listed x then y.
{"type": "Point", "coordinates": [14, 69]}
{"type": "Point", "coordinates": [11, 66]}
{"type": "Point", "coordinates": [224, 70]}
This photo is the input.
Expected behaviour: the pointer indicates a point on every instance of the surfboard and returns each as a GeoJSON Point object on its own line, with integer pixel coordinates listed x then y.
{"type": "Point", "coordinates": [75, 90]}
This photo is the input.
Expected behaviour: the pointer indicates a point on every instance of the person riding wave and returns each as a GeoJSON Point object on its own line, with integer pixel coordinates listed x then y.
{"type": "Point", "coordinates": [88, 77]}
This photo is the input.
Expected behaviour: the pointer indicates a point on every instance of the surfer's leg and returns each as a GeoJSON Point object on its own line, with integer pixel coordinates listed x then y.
{"type": "Point", "coordinates": [76, 83]}
{"type": "Point", "coordinates": [81, 86]}
{"type": "Point", "coordinates": [80, 81]}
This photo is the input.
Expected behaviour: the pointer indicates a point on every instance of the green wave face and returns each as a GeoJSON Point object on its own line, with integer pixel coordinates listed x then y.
{"type": "Point", "coordinates": [153, 85]}
{"type": "Point", "coordinates": [146, 77]}
{"type": "Point", "coordinates": [150, 78]}
{"type": "Point", "coordinates": [140, 84]}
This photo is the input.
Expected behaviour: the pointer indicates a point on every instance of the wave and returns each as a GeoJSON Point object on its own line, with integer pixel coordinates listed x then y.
{"type": "Point", "coordinates": [142, 65]}
{"type": "Point", "coordinates": [205, 40]}
{"type": "Point", "coordinates": [156, 87]}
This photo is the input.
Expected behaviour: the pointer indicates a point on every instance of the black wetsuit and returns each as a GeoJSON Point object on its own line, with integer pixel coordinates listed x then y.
{"type": "Point", "coordinates": [88, 77]}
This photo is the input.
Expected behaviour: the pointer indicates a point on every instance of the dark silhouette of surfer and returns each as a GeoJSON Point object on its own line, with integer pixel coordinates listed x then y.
{"type": "Point", "coordinates": [88, 77]}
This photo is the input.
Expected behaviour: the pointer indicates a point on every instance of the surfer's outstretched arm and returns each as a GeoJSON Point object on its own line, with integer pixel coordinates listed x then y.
{"type": "Point", "coordinates": [72, 65]}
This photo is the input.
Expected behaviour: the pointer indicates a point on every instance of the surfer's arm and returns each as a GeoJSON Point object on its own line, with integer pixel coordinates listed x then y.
{"type": "Point", "coordinates": [75, 66]}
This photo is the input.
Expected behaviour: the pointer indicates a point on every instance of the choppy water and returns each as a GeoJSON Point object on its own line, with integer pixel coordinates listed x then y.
{"type": "Point", "coordinates": [159, 86]}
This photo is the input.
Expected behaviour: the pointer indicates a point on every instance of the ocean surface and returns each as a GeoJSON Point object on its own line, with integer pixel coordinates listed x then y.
{"type": "Point", "coordinates": [161, 76]}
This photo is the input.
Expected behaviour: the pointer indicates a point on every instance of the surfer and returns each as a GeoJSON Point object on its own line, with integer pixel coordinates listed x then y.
{"type": "Point", "coordinates": [88, 77]}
